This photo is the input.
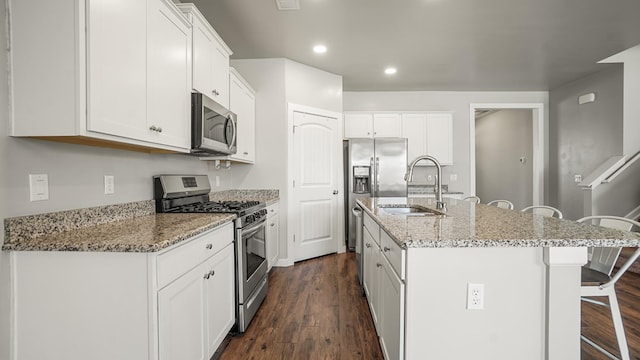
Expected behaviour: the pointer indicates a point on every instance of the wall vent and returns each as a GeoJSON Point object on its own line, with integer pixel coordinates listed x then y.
{"type": "Point", "coordinates": [288, 4]}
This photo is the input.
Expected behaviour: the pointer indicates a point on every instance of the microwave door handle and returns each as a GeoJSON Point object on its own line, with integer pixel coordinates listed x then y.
{"type": "Point", "coordinates": [233, 127]}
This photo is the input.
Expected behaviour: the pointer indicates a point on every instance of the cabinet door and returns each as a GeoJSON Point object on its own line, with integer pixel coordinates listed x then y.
{"type": "Point", "coordinates": [272, 238]}
{"type": "Point", "coordinates": [242, 102]}
{"type": "Point", "coordinates": [391, 314]}
{"type": "Point", "coordinates": [440, 137]}
{"type": "Point", "coordinates": [116, 70]}
{"type": "Point", "coordinates": [181, 317]}
{"type": "Point", "coordinates": [371, 275]}
{"type": "Point", "coordinates": [203, 57]}
{"type": "Point", "coordinates": [387, 125]}
{"type": "Point", "coordinates": [220, 74]}
{"type": "Point", "coordinates": [220, 295]}
{"type": "Point", "coordinates": [169, 69]}
{"type": "Point", "coordinates": [414, 128]}
{"type": "Point", "coordinates": [358, 125]}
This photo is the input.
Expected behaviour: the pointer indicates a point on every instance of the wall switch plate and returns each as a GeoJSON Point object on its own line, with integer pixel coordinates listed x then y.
{"type": "Point", "coordinates": [577, 178]}
{"type": "Point", "coordinates": [453, 177]}
{"type": "Point", "coordinates": [475, 296]}
{"type": "Point", "coordinates": [109, 184]}
{"type": "Point", "coordinates": [38, 187]}
{"type": "Point", "coordinates": [429, 178]}
{"type": "Point", "coordinates": [217, 180]}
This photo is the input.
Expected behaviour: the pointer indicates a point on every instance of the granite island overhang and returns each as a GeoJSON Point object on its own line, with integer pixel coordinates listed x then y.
{"type": "Point", "coordinates": [528, 264]}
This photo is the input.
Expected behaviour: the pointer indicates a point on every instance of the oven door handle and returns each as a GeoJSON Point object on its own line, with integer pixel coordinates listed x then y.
{"type": "Point", "coordinates": [248, 232]}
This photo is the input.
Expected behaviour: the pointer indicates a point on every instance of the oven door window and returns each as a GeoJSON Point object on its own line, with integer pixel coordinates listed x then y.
{"type": "Point", "coordinates": [254, 248]}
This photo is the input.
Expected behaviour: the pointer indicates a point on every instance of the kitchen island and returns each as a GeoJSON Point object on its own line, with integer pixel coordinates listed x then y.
{"type": "Point", "coordinates": [418, 271]}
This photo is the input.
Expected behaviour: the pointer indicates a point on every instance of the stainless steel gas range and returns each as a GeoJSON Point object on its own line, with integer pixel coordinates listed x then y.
{"type": "Point", "coordinates": [190, 194]}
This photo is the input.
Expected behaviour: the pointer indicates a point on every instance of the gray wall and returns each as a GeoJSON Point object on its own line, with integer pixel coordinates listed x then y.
{"type": "Point", "coordinates": [584, 136]}
{"type": "Point", "coordinates": [502, 138]}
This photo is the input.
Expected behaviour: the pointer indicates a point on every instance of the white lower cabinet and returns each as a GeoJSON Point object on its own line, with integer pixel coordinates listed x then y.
{"type": "Point", "coordinates": [181, 318]}
{"type": "Point", "coordinates": [195, 312]}
{"type": "Point", "coordinates": [272, 235]}
{"type": "Point", "coordinates": [385, 288]}
{"type": "Point", "coordinates": [177, 303]}
{"type": "Point", "coordinates": [391, 314]}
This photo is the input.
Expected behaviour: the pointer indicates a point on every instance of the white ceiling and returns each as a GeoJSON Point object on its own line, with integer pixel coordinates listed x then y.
{"type": "Point", "coordinates": [435, 44]}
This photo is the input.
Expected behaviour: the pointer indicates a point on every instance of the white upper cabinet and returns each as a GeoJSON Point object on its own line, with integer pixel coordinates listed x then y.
{"type": "Point", "coordinates": [210, 57]}
{"type": "Point", "coordinates": [370, 125]}
{"type": "Point", "coordinates": [132, 92]}
{"type": "Point", "coordinates": [168, 68]}
{"type": "Point", "coordinates": [221, 73]}
{"type": "Point", "coordinates": [429, 134]}
{"type": "Point", "coordinates": [358, 125]}
{"type": "Point", "coordinates": [387, 125]}
{"type": "Point", "coordinates": [242, 102]}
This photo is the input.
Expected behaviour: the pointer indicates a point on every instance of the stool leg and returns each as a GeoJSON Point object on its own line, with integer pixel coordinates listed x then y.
{"type": "Point", "coordinates": [617, 323]}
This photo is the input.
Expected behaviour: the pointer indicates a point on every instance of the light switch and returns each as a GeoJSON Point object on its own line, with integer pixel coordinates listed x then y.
{"type": "Point", "coordinates": [38, 187]}
{"type": "Point", "coordinates": [453, 177]}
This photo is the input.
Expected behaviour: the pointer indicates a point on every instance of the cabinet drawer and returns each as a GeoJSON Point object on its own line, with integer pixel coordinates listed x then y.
{"type": "Point", "coordinates": [272, 210]}
{"type": "Point", "coordinates": [372, 227]}
{"type": "Point", "coordinates": [187, 255]}
{"type": "Point", "coordinates": [393, 253]}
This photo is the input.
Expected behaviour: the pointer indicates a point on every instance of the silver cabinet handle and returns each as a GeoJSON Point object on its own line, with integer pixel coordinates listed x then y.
{"type": "Point", "coordinates": [378, 265]}
{"type": "Point", "coordinates": [273, 224]}
{"type": "Point", "coordinates": [367, 245]}
{"type": "Point", "coordinates": [215, 92]}
{"type": "Point", "coordinates": [209, 246]}
{"type": "Point", "coordinates": [386, 249]}
{"type": "Point", "coordinates": [153, 128]}
{"type": "Point", "coordinates": [209, 274]}
{"type": "Point", "coordinates": [159, 129]}
{"type": "Point", "coordinates": [335, 192]}
{"type": "Point", "coordinates": [246, 153]}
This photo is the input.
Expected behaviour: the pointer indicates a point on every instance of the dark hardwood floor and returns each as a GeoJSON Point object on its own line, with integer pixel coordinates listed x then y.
{"type": "Point", "coordinates": [314, 310]}
{"type": "Point", "coordinates": [597, 324]}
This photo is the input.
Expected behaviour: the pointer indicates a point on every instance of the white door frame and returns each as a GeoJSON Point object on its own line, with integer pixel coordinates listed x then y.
{"type": "Point", "coordinates": [538, 144]}
{"type": "Point", "coordinates": [292, 217]}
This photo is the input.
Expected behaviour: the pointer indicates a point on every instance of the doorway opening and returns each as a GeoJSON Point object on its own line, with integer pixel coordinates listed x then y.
{"type": "Point", "coordinates": [507, 153]}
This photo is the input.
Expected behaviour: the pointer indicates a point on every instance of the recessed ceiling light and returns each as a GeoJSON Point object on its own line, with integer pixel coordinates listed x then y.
{"type": "Point", "coordinates": [390, 71]}
{"type": "Point", "coordinates": [320, 49]}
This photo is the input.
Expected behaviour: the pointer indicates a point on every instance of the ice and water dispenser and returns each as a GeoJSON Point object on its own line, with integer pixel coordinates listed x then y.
{"type": "Point", "coordinates": [361, 179]}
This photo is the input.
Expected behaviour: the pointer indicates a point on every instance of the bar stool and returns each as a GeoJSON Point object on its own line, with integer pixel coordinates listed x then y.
{"type": "Point", "coordinates": [543, 210]}
{"type": "Point", "coordinates": [504, 204]}
{"type": "Point", "coordinates": [597, 280]}
{"type": "Point", "coordinates": [473, 199]}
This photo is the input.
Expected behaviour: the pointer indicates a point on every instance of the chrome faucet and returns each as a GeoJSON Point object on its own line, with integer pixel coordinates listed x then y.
{"type": "Point", "coordinates": [409, 177]}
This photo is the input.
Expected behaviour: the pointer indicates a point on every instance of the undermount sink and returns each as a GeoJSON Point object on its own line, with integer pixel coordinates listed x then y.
{"type": "Point", "coordinates": [408, 210]}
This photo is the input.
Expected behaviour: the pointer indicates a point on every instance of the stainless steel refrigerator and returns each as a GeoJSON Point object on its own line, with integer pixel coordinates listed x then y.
{"type": "Point", "coordinates": [373, 167]}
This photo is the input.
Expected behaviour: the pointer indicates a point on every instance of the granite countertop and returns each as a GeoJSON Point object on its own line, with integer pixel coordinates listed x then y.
{"type": "Point", "coordinates": [268, 196]}
{"type": "Point", "coordinates": [132, 227]}
{"type": "Point", "coordinates": [467, 224]}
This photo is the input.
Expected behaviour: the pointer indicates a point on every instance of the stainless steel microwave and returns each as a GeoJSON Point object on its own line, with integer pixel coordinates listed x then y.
{"type": "Point", "coordinates": [213, 127]}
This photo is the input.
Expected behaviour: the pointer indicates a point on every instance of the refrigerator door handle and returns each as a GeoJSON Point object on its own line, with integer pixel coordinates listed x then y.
{"type": "Point", "coordinates": [377, 175]}
{"type": "Point", "coordinates": [374, 181]}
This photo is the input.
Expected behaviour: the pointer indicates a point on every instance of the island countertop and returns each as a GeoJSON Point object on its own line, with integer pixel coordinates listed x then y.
{"type": "Point", "coordinates": [467, 224]}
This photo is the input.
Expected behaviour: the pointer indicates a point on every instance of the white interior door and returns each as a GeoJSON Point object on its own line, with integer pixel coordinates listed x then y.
{"type": "Point", "coordinates": [316, 167]}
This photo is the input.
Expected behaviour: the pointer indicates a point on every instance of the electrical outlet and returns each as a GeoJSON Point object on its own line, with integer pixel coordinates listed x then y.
{"type": "Point", "coordinates": [577, 178]}
{"type": "Point", "coordinates": [38, 187]}
{"type": "Point", "coordinates": [453, 177]}
{"type": "Point", "coordinates": [475, 296]}
{"type": "Point", "coordinates": [429, 178]}
{"type": "Point", "coordinates": [217, 180]}
{"type": "Point", "coordinates": [109, 184]}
